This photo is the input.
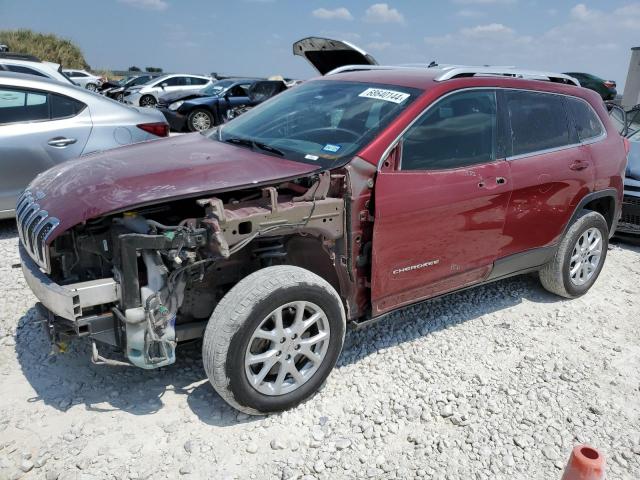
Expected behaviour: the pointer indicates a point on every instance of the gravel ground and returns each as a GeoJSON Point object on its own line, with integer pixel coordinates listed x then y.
{"type": "Point", "coordinates": [499, 382]}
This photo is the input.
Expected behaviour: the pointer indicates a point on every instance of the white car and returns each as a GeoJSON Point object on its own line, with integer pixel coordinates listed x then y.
{"type": "Point", "coordinates": [18, 63]}
{"type": "Point", "coordinates": [147, 95]}
{"type": "Point", "coordinates": [84, 79]}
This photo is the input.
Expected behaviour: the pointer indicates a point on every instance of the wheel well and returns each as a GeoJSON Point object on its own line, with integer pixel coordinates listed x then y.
{"type": "Point", "coordinates": [308, 253]}
{"type": "Point", "coordinates": [605, 206]}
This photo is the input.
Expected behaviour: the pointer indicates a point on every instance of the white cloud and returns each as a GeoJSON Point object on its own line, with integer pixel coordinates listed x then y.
{"type": "Point", "coordinates": [586, 39]}
{"type": "Point", "coordinates": [340, 13]}
{"type": "Point", "coordinates": [147, 4]}
{"type": "Point", "coordinates": [582, 13]}
{"type": "Point", "coordinates": [382, 13]}
{"type": "Point", "coordinates": [491, 30]}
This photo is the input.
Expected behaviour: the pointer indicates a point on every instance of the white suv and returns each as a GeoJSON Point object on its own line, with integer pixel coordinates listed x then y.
{"type": "Point", "coordinates": [18, 63]}
{"type": "Point", "coordinates": [84, 79]}
{"type": "Point", "coordinates": [147, 95]}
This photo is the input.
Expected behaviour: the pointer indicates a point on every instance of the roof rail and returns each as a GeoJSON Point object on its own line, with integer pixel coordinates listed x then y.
{"type": "Point", "coordinates": [355, 68]}
{"type": "Point", "coordinates": [19, 56]}
{"type": "Point", "coordinates": [459, 72]}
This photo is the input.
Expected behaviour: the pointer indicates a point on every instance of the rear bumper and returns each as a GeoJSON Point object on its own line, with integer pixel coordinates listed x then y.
{"type": "Point", "coordinates": [177, 122]}
{"type": "Point", "coordinates": [67, 301]}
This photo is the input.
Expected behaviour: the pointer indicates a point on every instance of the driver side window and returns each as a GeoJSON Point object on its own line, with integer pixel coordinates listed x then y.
{"type": "Point", "coordinates": [458, 131]}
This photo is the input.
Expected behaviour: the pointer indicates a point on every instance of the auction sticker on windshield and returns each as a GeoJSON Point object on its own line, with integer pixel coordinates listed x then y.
{"type": "Point", "coordinates": [386, 95]}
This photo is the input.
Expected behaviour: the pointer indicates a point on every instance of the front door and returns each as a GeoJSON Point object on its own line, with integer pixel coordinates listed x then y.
{"type": "Point", "coordinates": [440, 203]}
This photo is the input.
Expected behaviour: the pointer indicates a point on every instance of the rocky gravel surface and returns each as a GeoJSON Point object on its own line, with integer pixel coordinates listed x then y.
{"type": "Point", "coordinates": [499, 382]}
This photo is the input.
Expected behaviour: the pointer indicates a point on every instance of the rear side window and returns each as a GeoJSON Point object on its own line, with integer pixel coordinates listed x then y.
{"type": "Point", "coordinates": [21, 106]}
{"type": "Point", "coordinates": [198, 81]}
{"type": "Point", "coordinates": [586, 120]}
{"type": "Point", "coordinates": [458, 131]}
{"type": "Point", "coordinates": [64, 107]}
{"type": "Point", "coordinates": [537, 121]}
{"type": "Point", "coordinates": [20, 69]}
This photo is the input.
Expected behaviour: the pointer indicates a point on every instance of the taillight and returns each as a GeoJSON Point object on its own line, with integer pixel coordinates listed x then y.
{"type": "Point", "coordinates": [609, 84]}
{"type": "Point", "coordinates": [627, 145]}
{"type": "Point", "coordinates": [159, 129]}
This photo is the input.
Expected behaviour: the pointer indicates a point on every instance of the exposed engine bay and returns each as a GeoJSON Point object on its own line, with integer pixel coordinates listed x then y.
{"type": "Point", "coordinates": [174, 262]}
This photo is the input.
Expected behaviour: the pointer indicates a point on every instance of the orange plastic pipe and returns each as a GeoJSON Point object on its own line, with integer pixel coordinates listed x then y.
{"type": "Point", "coordinates": [585, 463]}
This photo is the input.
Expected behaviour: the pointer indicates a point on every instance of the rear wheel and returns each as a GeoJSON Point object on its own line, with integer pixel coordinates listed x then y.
{"type": "Point", "coordinates": [120, 97]}
{"type": "Point", "coordinates": [273, 339]}
{"type": "Point", "coordinates": [579, 258]}
{"type": "Point", "coordinates": [148, 101]}
{"type": "Point", "coordinates": [92, 87]}
{"type": "Point", "coordinates": [200, 120]}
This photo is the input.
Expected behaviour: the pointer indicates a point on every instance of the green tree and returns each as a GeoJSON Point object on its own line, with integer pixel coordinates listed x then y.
{"type": "Point", "coordinates": [46, 47]}
{"type": "Point", "coordinates": [134, 69]}
{"type": "Point", "coordinates": [153, 70]}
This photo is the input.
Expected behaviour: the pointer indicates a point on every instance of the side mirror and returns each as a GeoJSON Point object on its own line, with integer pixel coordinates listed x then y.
{"type": "Point", "coordinates": [163, 85]}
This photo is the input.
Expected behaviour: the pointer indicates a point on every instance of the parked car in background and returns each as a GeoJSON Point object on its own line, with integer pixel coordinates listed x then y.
{"type": "Point", "coordinates": [222, 101]}
{"type": "Point", "coordinates": [4, 48]}
{"type": "Point", "coordinates": [117, 91]}
{"type": "Point", "coordinates": [30, 65]}
{"type": "Point", "coordinates": [44, 122]}
{"type": "Point", "coordinates": [147, 95]}
{"type": "Point", "coordinates": [605, 88]}
{"type": "Point", "coordinates": [84, 79]}
{"type": "Point", "coordinates": [629, 223]}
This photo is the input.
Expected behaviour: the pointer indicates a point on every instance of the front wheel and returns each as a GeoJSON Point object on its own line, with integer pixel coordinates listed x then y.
{"type": "Point", "coordinates": [579, 258]}
{"type": "Point", "coordinates": [92, 87]}
{"type": "Point", "coordinates": [273, 339]}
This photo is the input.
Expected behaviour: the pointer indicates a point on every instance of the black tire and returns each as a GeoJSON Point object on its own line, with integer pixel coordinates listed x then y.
{"type": "Point", "coordinates": [241, 312]}
{"type": "Point", "coordinates": [194, 127]}
{"type": "Point", "coordinates": [148, 101]}
{"type": "Point", "coordinates": [92, 87]}
{"type": "Point", "coordinates": [555, 275]}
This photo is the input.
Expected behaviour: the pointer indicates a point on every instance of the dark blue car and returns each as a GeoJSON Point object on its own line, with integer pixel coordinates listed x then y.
{"type": "Point", "coordinates": [217, 103]}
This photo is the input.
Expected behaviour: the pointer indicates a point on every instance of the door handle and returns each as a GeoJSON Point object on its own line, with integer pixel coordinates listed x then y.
{"type": "Point", "coordinates": [579, 165]}
{"type": "Point", "coordinates": [61, 142]}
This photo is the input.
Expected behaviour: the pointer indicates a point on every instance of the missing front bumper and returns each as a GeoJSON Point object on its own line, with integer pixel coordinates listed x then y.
{"type": "Point", "coordinates": [67, 301]}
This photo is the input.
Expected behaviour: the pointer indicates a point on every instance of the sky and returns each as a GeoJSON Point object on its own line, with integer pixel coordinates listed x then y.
{"type": "Point", "coordinates": [254, 37]}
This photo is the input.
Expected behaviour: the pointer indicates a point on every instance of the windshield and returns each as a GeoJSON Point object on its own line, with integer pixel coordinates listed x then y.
{"type": "Point", "coordinates": [216, 88]}
{"type": "Point", "coordinates": [320, 122]}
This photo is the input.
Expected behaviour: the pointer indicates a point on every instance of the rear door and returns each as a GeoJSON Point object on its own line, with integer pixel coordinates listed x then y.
{"type": "Point", "coordinates": [37, 131]}
{"type": "Point", "coordinates": [440, 203]}
{"type": "Point", "coordinates": [551, 169]}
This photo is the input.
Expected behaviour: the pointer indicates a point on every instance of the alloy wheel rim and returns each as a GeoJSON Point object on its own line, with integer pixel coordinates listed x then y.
{"type": "Point", "coordinates": [92, 88]}
{"type": "Point", "coordinates": [585, 257]}
{"type": "Point", "coordinates": [147, 102]}
{"type": "Point", "coordinates": [201, 121]}
{"type": "Point", "coordinates": [287, 348]}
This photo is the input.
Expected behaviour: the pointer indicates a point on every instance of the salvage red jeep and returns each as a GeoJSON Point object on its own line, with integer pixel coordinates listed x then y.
{"type": "Point", "coordinates": [340, 200]}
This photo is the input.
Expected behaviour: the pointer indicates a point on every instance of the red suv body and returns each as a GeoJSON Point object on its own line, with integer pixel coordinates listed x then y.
{"type": "Point", "coordinates": [339, 200]}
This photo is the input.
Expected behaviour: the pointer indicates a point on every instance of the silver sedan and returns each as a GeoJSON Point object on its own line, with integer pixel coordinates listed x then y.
{"type": "Point", "coordinates": [43, 122]}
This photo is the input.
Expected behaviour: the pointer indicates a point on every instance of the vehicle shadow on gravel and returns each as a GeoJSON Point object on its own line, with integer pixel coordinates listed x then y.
{"type": "Point", "coordinates": [444, 312]}
{"type": "Point", "coordinates": [69, 378]}
{"type": "Point", "coordinates": [66, 379]}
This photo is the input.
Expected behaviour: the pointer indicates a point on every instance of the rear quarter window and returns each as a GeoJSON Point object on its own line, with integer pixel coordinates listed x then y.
{"type": "Point", "coordinates": [537, 122]}
{"type": "Point", "coordinates": [587, 123]}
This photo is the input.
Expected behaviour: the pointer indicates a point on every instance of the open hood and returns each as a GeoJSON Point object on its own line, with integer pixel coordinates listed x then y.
{"type": "Point", "coordinates": [325, 54]}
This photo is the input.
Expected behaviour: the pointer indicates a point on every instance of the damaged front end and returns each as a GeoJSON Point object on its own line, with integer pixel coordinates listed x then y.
{"type": "Point", "coordinates": [145, 280]}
